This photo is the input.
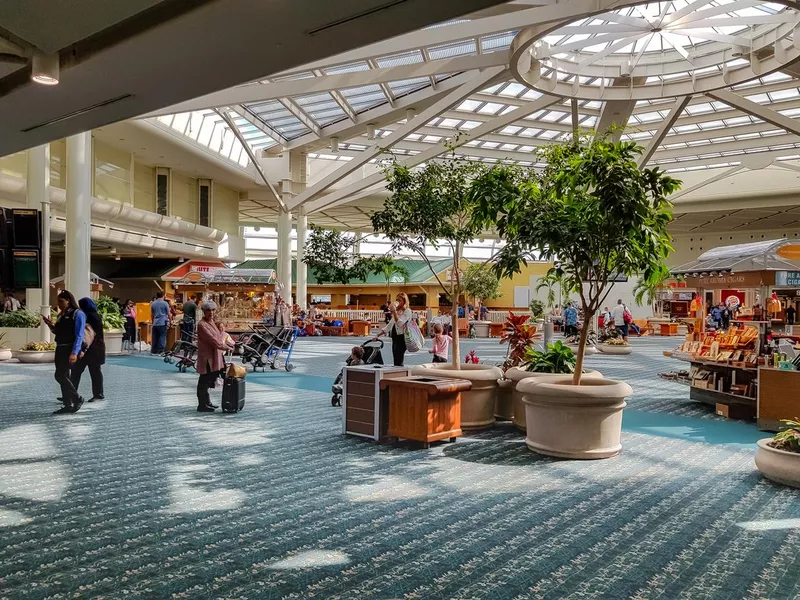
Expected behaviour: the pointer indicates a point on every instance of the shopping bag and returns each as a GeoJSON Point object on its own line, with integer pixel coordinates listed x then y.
{"type": "Point", "coordinates": [236, 372]}
{"type": "Point", "coordinates": [415, 341]}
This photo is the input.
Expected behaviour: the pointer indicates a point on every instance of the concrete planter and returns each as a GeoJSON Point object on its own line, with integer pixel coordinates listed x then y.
{"type": "Point", "coordinates": [581, 422]}
{"type": "Point", "coordinates": [477, 405]}
{"type": "Point", "coordinates": [35, 357]}
{"type": "Point", "coordinates": [17, 337]}
{"type": "Point", "coordinates": [113, 339]}
{"type": "Point", "coordinates": [518, 375]}
{"type": "Point", "coordinates": [615, 349]}
{"type": "Point", "coordinates": [503, 404]}
{"type": "Point", "coordinates": [589, 349]}
{"type": "Point", "coordinates": [5, 354]}
{"type": "Point", "coordinates": [779, 466]}
{"type": "Point", "coordinates": [481, 328]}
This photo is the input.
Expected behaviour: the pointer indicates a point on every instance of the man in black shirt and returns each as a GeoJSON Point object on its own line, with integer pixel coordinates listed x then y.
{"type": "Point", "coordinates": [790, 314]}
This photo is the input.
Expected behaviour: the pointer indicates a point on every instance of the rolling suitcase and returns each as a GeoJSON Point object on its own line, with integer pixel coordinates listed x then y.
{"type": "Point", "coordinates": [232, 394]}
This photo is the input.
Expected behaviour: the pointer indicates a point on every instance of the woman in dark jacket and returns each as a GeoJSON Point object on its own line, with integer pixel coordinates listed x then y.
{"type": "Point", "coordinates": [69, 330]}
{"type": "Point", "coordinates": [95, 355]}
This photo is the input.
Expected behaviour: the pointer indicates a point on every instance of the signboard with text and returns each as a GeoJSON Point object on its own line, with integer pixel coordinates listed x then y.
{"type": "Point", "coordinates": [787, 279]}
{"type": "Point", "coordinates": [749, 279]}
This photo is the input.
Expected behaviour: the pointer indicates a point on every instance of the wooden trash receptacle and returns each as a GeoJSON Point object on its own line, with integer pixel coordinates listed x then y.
{"type": "Point", "coordinates": [365, 408]}
{"type": "Point", "coordinates": [425, 409]}
{"type": "Point", "coordinates": [495, 330]}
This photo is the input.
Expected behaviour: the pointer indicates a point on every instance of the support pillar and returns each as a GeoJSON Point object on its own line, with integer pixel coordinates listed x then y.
{"type": "Point", "coordinates": [38, 197]}
{"type": "Point", "coordinates": [285, 254]}
{"type": "Point", "coordinates": [302, 268]}
{"type": "Point", "coordinates": [79, 214]}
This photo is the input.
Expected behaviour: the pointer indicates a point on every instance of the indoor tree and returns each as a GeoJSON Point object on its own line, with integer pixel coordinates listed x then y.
{"type": "Point", "coordinates": [391, 270]}
{"type": "Point", "coordinates": [332, 258]}
{"type": "Point", "coordinates": [592, 211]}
{"type": "Point", "coordinates": [432, 206]}
{"type": "Point", "coordinates": [481, 282]}
{"type": "Point", "coordinates": [648, 292]}
{"type": "Point", "coordinates": [554, 282]}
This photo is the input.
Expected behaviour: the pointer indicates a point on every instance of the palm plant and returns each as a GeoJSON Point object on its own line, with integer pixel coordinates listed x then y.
{"type": "Point", "coordinates": [647, 292]}
{"type": "Point", "coordinates": [554, 282]}
{"type": "Point", "coordinates": [391, 271]}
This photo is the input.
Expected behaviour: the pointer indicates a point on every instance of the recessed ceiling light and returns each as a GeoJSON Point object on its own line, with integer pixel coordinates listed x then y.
{"type": "Point", "coordinates": [45, 68]}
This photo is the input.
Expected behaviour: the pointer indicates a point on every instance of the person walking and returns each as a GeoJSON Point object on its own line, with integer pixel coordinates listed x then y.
{"type": "Point", "coordinates": [790, 314]}
{"type": "Point", "coordinates": [725, 316]}
{"type": "Point", "coordinates": [396, 327]}
{"type": "Point", "coordinates": [570, 320]}
{"type": "Point", "coordinates": [618, 316]}
{"type": "Point", "coordinates": [189, 318]}
{"type": "Point", "coordinates": [69, 330]}
{"type": "Point", "coordinates": [94, 356]}
{"type": "Point", "coordinates": [159, 317]}
{"type": "Point", "coordinates": [211, 341]}
{"type": "Point", "coordinates": [441, 344]}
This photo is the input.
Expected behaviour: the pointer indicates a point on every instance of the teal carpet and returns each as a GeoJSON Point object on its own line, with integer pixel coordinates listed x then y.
{"type": "Point", "coordinates": [141, 497]}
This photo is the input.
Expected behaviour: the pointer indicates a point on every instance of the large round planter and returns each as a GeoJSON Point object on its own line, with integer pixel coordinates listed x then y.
{"type": "Point", "coordinates": [589, 349]}
{"type": "Point", "coordinates": [779, 466]}
{"type": "Point", "coordinates": [615, 349]}
{"type": "Point", "coordinates": [477, 405]}
{"type": "Point", "coordinates": [568, 421]}
{"type": "Point", "coordinates": [481, 328]}
{"type": "Point", "coordinates": [5, 354]}
{"type": "Point", "coordinates": [35, 357]}
{"type": "Point", "coordinates": [113, 340]}
{"type": "Point", "coordinates": [518, 375]}
{"type": "Point", "coordinates": [503, 404]}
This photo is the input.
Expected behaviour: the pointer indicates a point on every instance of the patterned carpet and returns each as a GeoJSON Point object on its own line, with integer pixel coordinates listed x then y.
{"type": "Point", "coordinates": [141, 497]}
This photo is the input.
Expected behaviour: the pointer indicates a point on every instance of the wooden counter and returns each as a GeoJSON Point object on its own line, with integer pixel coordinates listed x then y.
{"type": "Point", "coordinates": [425, 409]}
{"type": "Point", "coordinates": [778, 397]}
{"type": "Point", "coordinates": [668, 329]}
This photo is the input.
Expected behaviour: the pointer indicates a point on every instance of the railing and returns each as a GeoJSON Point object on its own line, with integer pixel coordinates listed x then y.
{"type": "Point", "coordinates": [499, 316]}
{"type": "Point", "coordinates": [374, 316]}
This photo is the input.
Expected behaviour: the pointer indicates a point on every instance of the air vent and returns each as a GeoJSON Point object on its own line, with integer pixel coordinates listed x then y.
{"type": "Point", "coordinates": [204, 203]}
{"type": "Point", "coordinates": [77, 113]}
{"type": "Point", "coordinates": [355, 17]}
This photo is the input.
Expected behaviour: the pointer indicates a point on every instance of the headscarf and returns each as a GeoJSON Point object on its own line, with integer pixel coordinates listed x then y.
{"type": "Point", "coordinates": [87, 305]}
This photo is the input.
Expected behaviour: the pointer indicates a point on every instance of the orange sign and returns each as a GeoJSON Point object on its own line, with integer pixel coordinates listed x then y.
{"type": "Point", "coordinates": [194, 276]}
{"type": "Point", "coordinates": [790, 251]}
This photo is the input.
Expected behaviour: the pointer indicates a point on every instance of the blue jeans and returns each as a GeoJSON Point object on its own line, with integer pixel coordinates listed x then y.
{"type": "Point", "coordinates": [159, 339]}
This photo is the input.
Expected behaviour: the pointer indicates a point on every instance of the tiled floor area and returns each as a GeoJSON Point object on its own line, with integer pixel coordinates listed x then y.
{"type": "Point", "coordinates": [142, 497]}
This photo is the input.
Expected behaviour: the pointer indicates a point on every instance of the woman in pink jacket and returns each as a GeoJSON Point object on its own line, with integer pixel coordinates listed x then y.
{"type": "Point", "coordinates": [210, 345]}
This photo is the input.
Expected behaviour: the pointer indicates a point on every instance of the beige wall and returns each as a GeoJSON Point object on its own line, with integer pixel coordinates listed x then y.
{"type": "Point", "coordinates": [14, 164]}
{"type": "Point", "coordinates": [225, 209]}
{"type": "Point", "coordinates": [183, 202]}
{"type": "Point", "coordinates": [112, 179]}
{"type": "Point", "coordinates": [144, 187]}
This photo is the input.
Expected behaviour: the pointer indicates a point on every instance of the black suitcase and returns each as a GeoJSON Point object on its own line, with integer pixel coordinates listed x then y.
{"type": "Point", "coordinates": [232, 394]}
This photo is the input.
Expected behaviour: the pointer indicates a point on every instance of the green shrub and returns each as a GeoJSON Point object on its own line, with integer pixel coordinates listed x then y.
{"type": "Point", "coordinates": [20, 319]}
{"type": "Point", "coordinates": [557, 358]}
{"type": "Point", "coordinates": [537, 309]}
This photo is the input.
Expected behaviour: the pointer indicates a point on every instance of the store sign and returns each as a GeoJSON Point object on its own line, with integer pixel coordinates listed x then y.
{"type": "Point", "coordinates": [738, 280]}
{"type": "Point", "coordinates": [790, 251]}
{"type": "Point", "coordinates": [204, 269]}
{"type": "Point", "coordinates": [194, 276]}
{"type": "Point", "coordinates": [787, 279]}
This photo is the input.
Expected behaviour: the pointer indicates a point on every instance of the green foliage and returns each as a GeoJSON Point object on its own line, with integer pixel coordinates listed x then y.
{"type": "Point", "coordinates": [789, 438]}
{"type": "Point", "coordinates": [537, 309]}
{"type": "Point", "coordinates": [329, 254]}
{"type": "Point", "coordinates": [481, 282]}
{"type": "Point", "coordinates": [557, 358]}
{"type": "Point", "coordinates": [389, 268]}
{"type": "Point", "coordinates": [39, 347]}
{"type": "Point", "coordinates": [110, 313]}
{"type": "Point", "coordinates": [592, 211]}
{"type": "Point", "coordinates": [554, 282]}
{"type": "Point", "coordinates": [2, 339]}
{"type": "Point", "coordinates": [647, 292]}
{"type": "Point", "coordinates": [19, 319]}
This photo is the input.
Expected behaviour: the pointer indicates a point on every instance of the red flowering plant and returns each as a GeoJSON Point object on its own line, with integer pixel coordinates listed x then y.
{"type": "Point", "coordinates": [519, 334]}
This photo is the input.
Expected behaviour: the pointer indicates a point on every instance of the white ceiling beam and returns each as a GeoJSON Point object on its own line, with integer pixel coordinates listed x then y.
{"type": "Point", "coordinates": [757, 110]}
{"type": "Point", "coordinates": [480, 81]}
{"type": "Point", "coordinates": [350, 192]}
{"type": "Point", "coordinates": [738, 146]}
{"type": "Point", "coordinates": [235, 130]}
{"type": "Point", "coordinates": [301, 115]}
{"type": "Point", "coordinates": [718, 177]}
{"type": "Point", "coordinates": [677, 109]}
{"type": "Point", "coordinates": [262, 92]}
{"type": "Point", "coordinates": [381, 115]}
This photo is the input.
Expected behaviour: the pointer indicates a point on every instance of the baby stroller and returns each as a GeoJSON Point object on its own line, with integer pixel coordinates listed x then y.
{"type": "Point", "coordinates": [372, 356]}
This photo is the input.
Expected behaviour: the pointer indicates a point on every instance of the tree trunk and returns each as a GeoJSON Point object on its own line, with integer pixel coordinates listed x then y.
{"type": "Point", "coordinates": [576, 377]}
{"type": "Point", "coordinates": [455, 292]}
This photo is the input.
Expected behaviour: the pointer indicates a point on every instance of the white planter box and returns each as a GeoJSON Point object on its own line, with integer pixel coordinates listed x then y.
{"type": "Point", "coordinates": [5, 354]}
{"type": "Point", "coordinates": [481, 328]}
{"type": "Point", "coordinates": [17, 337]}
{"type": "Point", "coordinates": [35, 357]}
{"type": "Point", "coordinates": [113, 341]}
{"type": "Point", "coordinates": [778, 465]}
{"type": "Point", "coordinates": [615, 349]}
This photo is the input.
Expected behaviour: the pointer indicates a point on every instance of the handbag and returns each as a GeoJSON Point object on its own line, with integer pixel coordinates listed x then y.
{"type": "Point", "coordinates": [88, 337]}
{"type": "Point", "coordinates": [415, 341]}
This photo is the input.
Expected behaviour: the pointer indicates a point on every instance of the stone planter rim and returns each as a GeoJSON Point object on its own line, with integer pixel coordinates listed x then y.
{"type": "Point", "coordinates": [562, 390]}
{"type": "Point", "coordinates": [468, 371]}
{"type": "Point", "coordinates": [763, 444]}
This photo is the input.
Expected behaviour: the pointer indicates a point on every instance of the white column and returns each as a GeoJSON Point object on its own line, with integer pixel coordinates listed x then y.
{"type": "Point", "coordinates": [79, 213]}
{"type": "Point", "coordinates": [285, 253]}
{"type": "Point", "coordinates": [302, 269]}
{"type": "Point", "coordinates": [278, 264]}
{"type": "Point", "coordinates": [38, 197]}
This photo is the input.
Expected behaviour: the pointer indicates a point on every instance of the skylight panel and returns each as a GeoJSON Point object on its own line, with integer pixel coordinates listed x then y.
{"type": "Point", "coordinates": [470, 125]}
{"type": "Point", "coordinates": [449, 123]}
{"type": "Point", "coordinates": [511, 129]}
{"type": "Point", "coordinates": [490, 145]}
{"type": "Point", "coordinates": [490, 108]}
{"type": "Point", "coordinates": [464, 48]}
{"type": "Point", "coordinates": [509, 147]}
{"type": "Point", "coordinates": [469, 105]}
{"type": "Point", "coordinates": [501, 41]}
{"type": "Point", "coordinates": [407, 58]}
{"type": "Point", "coordinates": [350, 68]}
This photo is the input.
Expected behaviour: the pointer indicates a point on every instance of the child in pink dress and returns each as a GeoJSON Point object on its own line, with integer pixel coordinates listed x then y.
{"type": "Point", "coordinates": [441, 344]}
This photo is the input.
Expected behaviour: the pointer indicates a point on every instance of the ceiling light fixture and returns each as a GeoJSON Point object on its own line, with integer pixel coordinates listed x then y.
{"type": "Point", "coordinates": [335, 144]}
{"type": "Point", "coordinates": [149, 255]}
{"type": "Point", "coordinates": [45, 68]}
{"type": "Point", "coordinates": [116, 258]}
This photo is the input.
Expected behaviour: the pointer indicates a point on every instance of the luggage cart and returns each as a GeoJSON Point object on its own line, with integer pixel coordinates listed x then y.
{"type": "Point", "coordinates": [262, 349]}
{"type": "Point", "coordinates": [182, 354]}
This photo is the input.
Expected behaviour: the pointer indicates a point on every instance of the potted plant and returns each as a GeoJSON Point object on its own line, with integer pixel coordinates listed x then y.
{"type": "Point", "coordinates": [433, 206]}
{"type": "Point", "coordinates": [113, 324]}
{"type": "Point", "coordinates": [503, 404]}
{"type": "Point", "coordinates": [20, 327]}
{"type": "Point", "coordinates": [481, 283]}
{"type": "Point", "coordinates": [537, 310]}
{"type": "Point", "coordinates": [538, 366]}
{"type": "Point", "coordinates": [615, 345]}
{"type": "Point", "coordinates": [778, 457]}
{"type": "Point", "coordinates": [598, 216]}
{"type": "Point", "coordinates": [37, 352]}
{"type": "Point", "coordinates": [5, 352]}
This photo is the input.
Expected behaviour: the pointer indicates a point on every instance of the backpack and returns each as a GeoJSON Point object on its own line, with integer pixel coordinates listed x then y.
{"type": "Point", "coordinates": [627, 317]}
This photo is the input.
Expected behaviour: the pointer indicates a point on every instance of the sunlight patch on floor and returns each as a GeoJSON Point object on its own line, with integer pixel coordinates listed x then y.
{"type": "Point", "coordinates": [386, 489]}
{"type": "Point", "coordinates": [12, 518]}
{"type": "Point", "coordinates": [311, 559]}
{"type": "Point", "coordinates": [770, 524]}
{"type": "Point", "coordinates": [23, 442]}
{"type": "Point", "coordinates": [38, 481]}
{"type": "Point", "coordinates": [191, 490]}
